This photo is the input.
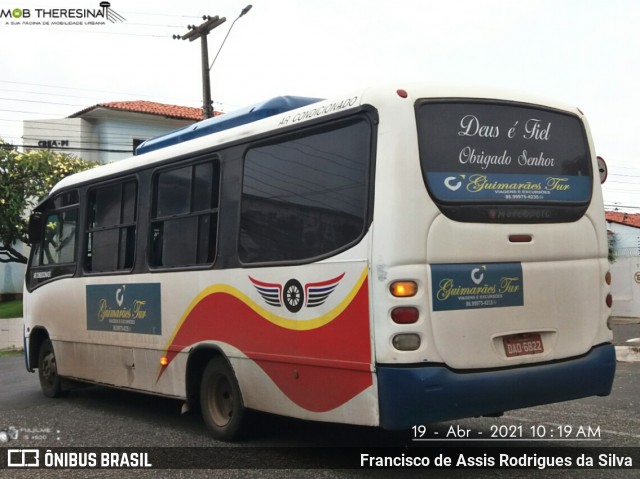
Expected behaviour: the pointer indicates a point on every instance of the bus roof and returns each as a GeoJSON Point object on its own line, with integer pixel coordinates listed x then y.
{"type": "Point", "coordinates": [239, 117]}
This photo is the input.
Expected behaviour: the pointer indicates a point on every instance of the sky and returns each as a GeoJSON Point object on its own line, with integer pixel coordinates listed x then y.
{"type": "Point", "coordinates": [582, 52]}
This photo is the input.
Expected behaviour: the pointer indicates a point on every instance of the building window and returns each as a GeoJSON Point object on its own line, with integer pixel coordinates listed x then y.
{"type": "Point", "coordinates": [185, 216]}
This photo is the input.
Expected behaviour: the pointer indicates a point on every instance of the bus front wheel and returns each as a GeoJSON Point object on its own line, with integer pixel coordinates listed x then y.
{"type": "Point", "coordinates": [221, 401]}
{"type": "Point", "coordinates": [50, 382]}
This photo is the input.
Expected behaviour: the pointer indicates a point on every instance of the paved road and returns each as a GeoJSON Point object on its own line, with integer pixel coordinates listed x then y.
{"type": "Point", "coordinates": [625, 329]}
{"type": "Point", "coordinates": [100, 417]}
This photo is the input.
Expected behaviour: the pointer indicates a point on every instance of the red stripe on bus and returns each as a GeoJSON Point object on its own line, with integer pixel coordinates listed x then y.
{"type": "Point", "coordinates": [313, 382]}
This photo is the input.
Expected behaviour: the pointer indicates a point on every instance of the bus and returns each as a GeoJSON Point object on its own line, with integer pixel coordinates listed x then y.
{"type": "Point", "coordinates": [391, 257]}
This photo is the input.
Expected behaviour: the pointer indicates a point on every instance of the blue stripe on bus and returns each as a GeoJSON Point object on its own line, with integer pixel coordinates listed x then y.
{"type": "Point", "coordinates": [411, 396]}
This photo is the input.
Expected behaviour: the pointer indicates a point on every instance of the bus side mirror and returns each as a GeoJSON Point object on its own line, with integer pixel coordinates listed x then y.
{"type": "Point", "coordinates": [35, 228]}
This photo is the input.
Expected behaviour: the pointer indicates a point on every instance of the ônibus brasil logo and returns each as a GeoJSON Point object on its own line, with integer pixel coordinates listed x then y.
{"type": "Point", "coordinates": [293, 295]}
{"type": "Point", "coordinates": [52, 16]}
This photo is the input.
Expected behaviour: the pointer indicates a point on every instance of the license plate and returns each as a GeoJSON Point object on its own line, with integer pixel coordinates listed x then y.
{"type": "Point", "coordinates": [522, 344]}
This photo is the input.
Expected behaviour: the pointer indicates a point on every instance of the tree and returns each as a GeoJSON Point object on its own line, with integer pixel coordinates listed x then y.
{"type": "Point", "coordinates": [612, 240]}
{"type": "Point", "coordinates": [25, 178]}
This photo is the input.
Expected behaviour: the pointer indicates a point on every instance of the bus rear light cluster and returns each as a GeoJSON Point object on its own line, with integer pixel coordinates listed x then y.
{"type": "Point", "coordinates": [609, 298]}
{"type": "Point", "coordinates": [406, 342]}
{"type": "Point", "coordinates": [405, 315]}
{"type": "Point", "coordinates": [403, 289]}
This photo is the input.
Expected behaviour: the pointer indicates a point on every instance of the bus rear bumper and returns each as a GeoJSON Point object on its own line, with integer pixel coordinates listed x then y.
{"type": "Point", "coordinates": [413, 395]}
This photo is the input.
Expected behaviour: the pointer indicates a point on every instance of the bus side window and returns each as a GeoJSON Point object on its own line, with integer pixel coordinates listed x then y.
{"type": "Point", "coordinates": [305, 196]}
{"type": "Point", "coordinates": [111, 227]}
{"type": "Point", "coordinates": [184, 224]}
{"type": "Point", "coordinates": [59, 239]}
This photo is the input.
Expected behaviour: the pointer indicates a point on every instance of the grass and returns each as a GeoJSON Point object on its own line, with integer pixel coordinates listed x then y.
{"type": "Point", "coordinates": [9, 353]}
{"type": "Point", "coordinates": [11, 309]}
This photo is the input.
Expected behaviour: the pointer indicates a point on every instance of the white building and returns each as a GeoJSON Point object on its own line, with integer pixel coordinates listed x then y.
{"type": "Point", "coordinates": [624, 234]}
{"type": "Point", "coordinates": [108, 132]}
{"type": "Point", "coordinates": [103, 133]}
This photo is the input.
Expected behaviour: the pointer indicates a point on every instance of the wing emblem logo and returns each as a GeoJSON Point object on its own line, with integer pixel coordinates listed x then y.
{"type": "Point", "coordinates": [293, 295]}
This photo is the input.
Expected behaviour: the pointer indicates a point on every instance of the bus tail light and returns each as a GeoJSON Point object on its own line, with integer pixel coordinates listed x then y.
{"type": "Point", "coordinates": [607, 277]}
{"type": "Point", "coordinates": [609, 300]}
{"type": "Point", "coordinates": [405, 315]}
{"type": "Point", "coordinates": [403, 289]}
{"type": "Point", "coordinates": [406, 342]}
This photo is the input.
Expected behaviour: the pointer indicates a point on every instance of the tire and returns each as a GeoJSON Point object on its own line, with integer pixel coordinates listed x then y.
{"type": "Point", "coordinates": [50, 382]}
{"type": "Point", "coordinates": [221, 402]}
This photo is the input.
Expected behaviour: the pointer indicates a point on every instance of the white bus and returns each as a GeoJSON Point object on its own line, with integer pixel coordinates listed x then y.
{"type": "Point", "coordinates": [391, 257]}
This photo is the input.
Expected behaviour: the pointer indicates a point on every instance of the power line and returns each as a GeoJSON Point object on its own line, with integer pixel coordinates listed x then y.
{"type": "Point", "coordinates": [626, 167]}
{"type": "Point", "coordinates": [75, 89]}
{"type": "Point", "coordinates": [620, 205]}
{"type": "Point", "coordinates": [220, 106]}
{"type": "Point", "coordinates": [30, 112]}
{"type": "Point", "coordinates": [50, 94]}
{"type": "Point", "coordinates": [93, 31]}
{"type": "Point", "coordinates": [71, 148]}
{"type": "Point", "coordinates": [41, 102]}
{"type": "Point", "coordinates": [116, 133]}
{"type": "Point", "coordinates": [145, 95]}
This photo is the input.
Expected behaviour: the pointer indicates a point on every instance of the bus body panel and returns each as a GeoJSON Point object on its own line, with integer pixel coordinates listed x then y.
{"type": "Point", "coordinates": [561, 268]}
{"type": "Point", "coordinates": [335, 358]}
{"type": "Point", "coordinates": [285, 361]}
{"type": "Point", "coordinates": [260, 393]}
{"type": "Point", "coordinates": [436, 393]}
{"type": "Point", "coordinates": [552, 277]}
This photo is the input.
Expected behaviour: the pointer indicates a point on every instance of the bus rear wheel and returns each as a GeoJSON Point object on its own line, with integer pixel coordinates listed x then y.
{"type": "Point", "coordinates": [221, 401]}
{"type": "Point", "coordinates": [50, 382]}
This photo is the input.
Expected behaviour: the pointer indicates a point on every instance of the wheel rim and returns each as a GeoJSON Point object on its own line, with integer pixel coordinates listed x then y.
{"type": "Point", "coordinates": [48, 368]}
{"type": "Point", "coordinates": [293, 295]}
{"type": "Point", "coordinates": [221, 402]}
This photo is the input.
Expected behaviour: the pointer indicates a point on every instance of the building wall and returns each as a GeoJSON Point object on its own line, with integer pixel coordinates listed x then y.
{"type": "Point", "coordinates": [625, 271]}
{"type": "Point", "coordinates": [117, 134]}
{"type": "Point", "coordinates": [627, 239]}
{"type": "Point", "coordinates": [12, 274]}
{"type": "Point", "coordinates": [64, 135]}
{"type": "Point", "coordinates": [101, 135]}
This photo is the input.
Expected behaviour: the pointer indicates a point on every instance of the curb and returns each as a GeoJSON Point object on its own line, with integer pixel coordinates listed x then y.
{"type": "Point", "coordinates": [628, 353]}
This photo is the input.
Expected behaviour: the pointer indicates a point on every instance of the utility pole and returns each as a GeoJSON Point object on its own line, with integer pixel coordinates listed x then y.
{"type": "Point", "coordinates": [201, 32]}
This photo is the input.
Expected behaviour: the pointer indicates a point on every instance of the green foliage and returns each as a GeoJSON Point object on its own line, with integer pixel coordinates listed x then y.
{"type": "Point", "coordinates": [24, 179]}
{"type": "Point", "coordinates": [612, 239]}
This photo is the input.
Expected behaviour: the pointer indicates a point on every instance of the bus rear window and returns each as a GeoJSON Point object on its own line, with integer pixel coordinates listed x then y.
{"type": "Point", "coordinates": [504, 162]}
